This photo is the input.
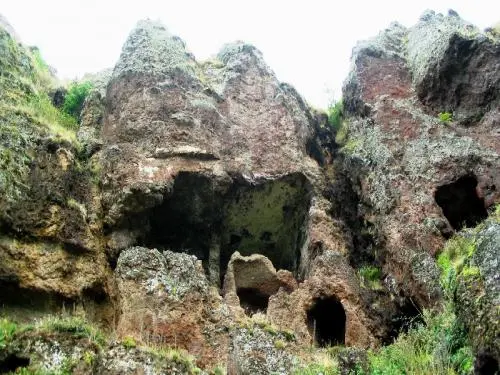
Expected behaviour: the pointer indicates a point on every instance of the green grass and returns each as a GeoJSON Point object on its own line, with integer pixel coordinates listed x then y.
{"type": "Point", "coordinates": [76, 326]}
{"type": "Point", "coordinates": [7, 331]}
{"type": "Point", "coordinates": [129, 342]}
{"type": "Point", "coordinates": [454, 257]}
{"type": "Point", "coordinates": [438, 346]}
{"type": "Point", "coordinates": [445, 117]}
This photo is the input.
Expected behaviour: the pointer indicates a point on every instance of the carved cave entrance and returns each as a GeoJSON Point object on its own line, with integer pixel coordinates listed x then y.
{"type": "Point", "coordinates": [460, 203]}
{"type": "Point", "coordinates": [326, 321]}
{"type": "Point", "coordinates": [186, 220]}
{"type": "Point", "coordinates": [266, 217]}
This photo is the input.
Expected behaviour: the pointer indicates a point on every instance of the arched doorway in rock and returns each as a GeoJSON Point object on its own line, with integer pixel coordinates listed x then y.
{"type": "Point", "coordinates": [460, 202]}
{"type": "Point", "coordinates": [326, 321]}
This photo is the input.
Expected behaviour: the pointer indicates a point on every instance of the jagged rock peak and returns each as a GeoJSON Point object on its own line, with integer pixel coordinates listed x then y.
{"type": "Point", "coordinates": [151, 49]}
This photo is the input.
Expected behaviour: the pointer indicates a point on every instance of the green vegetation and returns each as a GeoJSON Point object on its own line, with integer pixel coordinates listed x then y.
{"type": "Point", "coordinates": [179, 356]}
{"type": "Point", "coordinates": [129, 342]}
{"type": "Point", "coordinates": [369, 277]}
{"type": "Point", "coordinates": [26, 113]}
{"type": "Point", "coordinates": [336, 114]}
{"type": "Point", "coordinates": [7, 331]}
{"type": "Point", "coordinates": [73, 325]}
{"type": "Point", "coordinates": [455, 256]}
{"type": "Point", "coordinates": [439, 346]}
{"type": "Point", "coordinates": [75, 97]}
{"type": "Point", "coordinates": [445, 117]}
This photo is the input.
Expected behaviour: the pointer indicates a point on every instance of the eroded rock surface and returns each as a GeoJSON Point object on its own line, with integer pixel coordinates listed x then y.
{"type": "Point", "coordinates": [419, 178]}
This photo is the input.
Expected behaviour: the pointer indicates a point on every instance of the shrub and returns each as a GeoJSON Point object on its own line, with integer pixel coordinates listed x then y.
{"type": "Point", "coordinates": [75, 97]}
{"type": "Point", "coordinates": [336, 114]}
{"type": "Point", "coordinates": [445, 117]}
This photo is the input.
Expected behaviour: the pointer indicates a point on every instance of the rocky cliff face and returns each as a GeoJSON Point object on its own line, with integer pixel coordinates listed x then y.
{"type": "Point", "coordinates": [206, 206]}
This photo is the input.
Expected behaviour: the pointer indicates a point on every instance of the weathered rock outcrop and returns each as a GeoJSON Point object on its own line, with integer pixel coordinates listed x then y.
{"type": "Point", "coordinates": [50, 231]}
{"type": "Point", "coordinates": [478, 294]}
{"type": "Point", "coordinates": [418, 178]}
{"type": "Point", "coordinates": [206, 207]}
{"type": "Point", "coordinates": [218, 157]}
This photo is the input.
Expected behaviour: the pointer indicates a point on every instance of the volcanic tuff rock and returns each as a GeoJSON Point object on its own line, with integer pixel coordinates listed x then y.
{"type": "Point", "coordinates": [418, 178]}
{"type": "Point", "coordinates": [205, 205]}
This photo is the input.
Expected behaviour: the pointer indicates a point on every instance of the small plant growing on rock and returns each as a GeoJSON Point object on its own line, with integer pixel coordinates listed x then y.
{"type": "Point", "coordinates": [279, 344]}
{"type": "Point", "coordinates": [445, 117]}
{"type": "Point", "coordinates": [129, 342]}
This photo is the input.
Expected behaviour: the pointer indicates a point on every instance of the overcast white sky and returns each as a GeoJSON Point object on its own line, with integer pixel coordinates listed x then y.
{"type": "Point", "coordinates": [307, 43]}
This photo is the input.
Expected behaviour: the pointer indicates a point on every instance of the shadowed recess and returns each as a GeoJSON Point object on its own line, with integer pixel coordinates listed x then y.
{"type": "Point", "coordinates": [460, 203]}
{"type": "Point", "coordinates": [268, 218]}
{"type": "Point", "coordinates": [485, 364]}
{"type": "Point", "coordinates": [12, 363]}
{"type": "Point", "coordinates": [253, 300]}
{"type": "Point", "coordinates": [186, 219]}
{"type": "Point", "coordinates": [326, 322]}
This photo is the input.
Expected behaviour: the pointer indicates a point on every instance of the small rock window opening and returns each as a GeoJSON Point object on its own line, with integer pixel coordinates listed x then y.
{"type": "Point", "coordinates": [252, 300]}
{"type": "Point", "coordinates": [460, 203]}
{"type": "Point", "coordinates": [326, 322]}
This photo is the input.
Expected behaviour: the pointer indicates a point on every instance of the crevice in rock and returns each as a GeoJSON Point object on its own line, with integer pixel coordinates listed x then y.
{"type": "Point", "coordinates": [461, 203]}
{"type": "Point", "coordinates": [326, 321]}
{"type": "Point", "coordinates": [12, 363]}
{"type": "Point", "coordinates": [253, 300]}
{"type": "Point", "coordinates": [485, 364]}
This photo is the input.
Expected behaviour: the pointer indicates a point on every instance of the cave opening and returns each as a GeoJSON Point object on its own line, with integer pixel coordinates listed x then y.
{"type": "Point", "coordinates": [267, 218]}
{"type": "Point", "coordinates": [460, 202]}
{"type": "Point", "coordinates": [13, 363]}
{"type": "Point", "coordinates": [326, 322]}
{"type": "Point", "coordinates": [253, 300]}
{"type": "Point", "coordinates": [485, 364]}
{"type": "Point", "coordinates": [186, 219]}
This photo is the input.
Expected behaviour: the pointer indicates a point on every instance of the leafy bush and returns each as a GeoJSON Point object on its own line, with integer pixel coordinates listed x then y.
{"type": "Point", "coordinates": [75, 97]}
{"type": "Point", "coordinates": [336, 114]}
{"type": "Point", "coordinates": [445, 117]}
